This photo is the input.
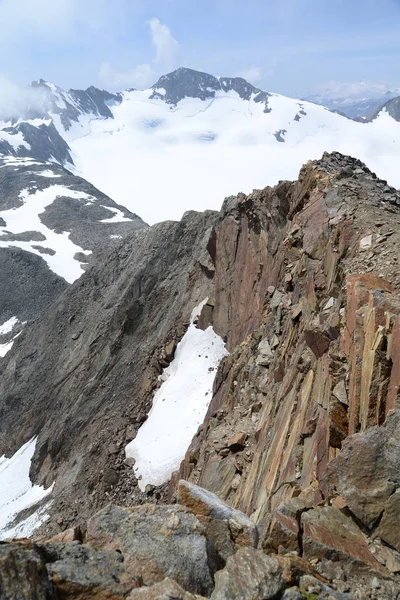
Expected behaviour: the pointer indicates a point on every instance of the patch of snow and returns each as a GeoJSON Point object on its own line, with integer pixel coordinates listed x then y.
{"type": "Point", "coordinates": [179, 405]}
{"type": "Point", "coordinates": [27, 218]}
{"type": "Point", "coordinates": [118, 216]}
{"type": "Point", "coordinates": [8, 325]}
{"type": "Point", "coordinates": [4, 348]}
{"type": "Point", "coordinates": [47, 173]}
{"type": "Point", "coordinates": [15, 140]}
{"type": "Point", "coordinates": [115, 237]}
{"type": "Point", "coordinates": [18, 494]}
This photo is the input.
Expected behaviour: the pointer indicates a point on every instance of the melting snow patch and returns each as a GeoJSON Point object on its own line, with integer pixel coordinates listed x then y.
{"type": "Point", "coordinates": [18, 494]}
{"type": "Point", "coordinates": [118, 216]}
{"type": "Point", "coordinates": [8, 325]}
{"type": "Point", "coordinates": [179, 405]}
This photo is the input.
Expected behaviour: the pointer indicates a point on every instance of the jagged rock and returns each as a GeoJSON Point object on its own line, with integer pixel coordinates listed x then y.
{"type": "Point", "coordinates": [237, 441]}
{"type": "Point", "coordinates": [226, 527]}
{"type": "Point", "coordinates": [249, 575]}
{"type": "Point", "coordinates": [366, 473]}
{"type": "Point", "coordinates": [23, 573]}
{"type": "Point", "coordinates": [284, 530]}
{"type": "Point", "coordinates": [156, 542]}
{"type": "Point", "coordinates": [165, 590]}
{"type": "Point", "coordinates": [329, 533]}
{"type": "Point", "coordinates": [69, 535]}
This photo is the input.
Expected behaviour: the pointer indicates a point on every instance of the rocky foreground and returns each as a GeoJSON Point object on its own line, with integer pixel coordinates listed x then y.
{"type": "Point", "coordinates": [302, 434]}
{"type": "Point", "coordinates": [201, 548]}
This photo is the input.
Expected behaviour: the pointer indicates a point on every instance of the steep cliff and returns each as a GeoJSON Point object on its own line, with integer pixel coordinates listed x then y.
{"type": "Point", "coordinates": [302, 430]}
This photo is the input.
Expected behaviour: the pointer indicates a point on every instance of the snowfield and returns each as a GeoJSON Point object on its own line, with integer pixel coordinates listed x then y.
{"type": "Point", "coordinates": [27, 218]}
{"type": "Point", "coordinates": [18, 494]}
{"type": "Point", "coordinates": [179, 405]}
{"type": "Point", "coordinates": [160, 160]}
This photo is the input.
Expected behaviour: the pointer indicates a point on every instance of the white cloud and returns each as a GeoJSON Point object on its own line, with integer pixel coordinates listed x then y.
{"type": "Point", "coordinates": [166, 58]}
{"type": "Point", "coordinates": [167, 48]}
{"type": "Point", "coordinates": [16, 100]}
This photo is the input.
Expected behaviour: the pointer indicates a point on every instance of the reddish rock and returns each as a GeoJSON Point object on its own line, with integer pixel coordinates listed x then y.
{"type": "Point", "coordinates": [237, 441]}
{"type": "Point", "coordinates": [317, 341]}
{"type": "Point", "coordinates": [328, 533]}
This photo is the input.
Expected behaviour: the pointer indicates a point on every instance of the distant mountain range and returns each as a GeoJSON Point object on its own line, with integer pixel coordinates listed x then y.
{"type": "Point", "coordinates": [356, 101]}
{"type": "Point", "coordinates": [77, 167]}
{"type": "Point", "coordinates": [189, 140]}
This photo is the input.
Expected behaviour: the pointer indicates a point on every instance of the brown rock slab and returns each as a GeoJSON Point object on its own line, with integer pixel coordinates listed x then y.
{"type": "Point", "coordinates": [284, 529]}
{"type": "Point", "coordinates": [317, 341]}
{"type": "Point", "coordinates": [237, 441]}
{"type": "Point", "coordinates": [249, 575]}
{"type": "Point", "coordinates": [156, 542]}
{"type": "Point", "coordinates": [328, 533]}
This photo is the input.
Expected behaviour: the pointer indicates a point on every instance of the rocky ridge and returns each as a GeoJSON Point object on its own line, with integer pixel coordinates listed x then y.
{"type": "Point", "coordinates": [302, 431]}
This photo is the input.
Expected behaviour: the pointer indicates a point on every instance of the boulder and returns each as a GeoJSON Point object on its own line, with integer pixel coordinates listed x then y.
{"type": "Point", "coordinates": [23, 573]}
{"type": "Point", "coordinates": [227, 527]}
{"type": "Point", "coordinates": [284, 529]}
{"type": "Point", "coordinates": [249, 575]}
{"type": "Point", "coordinates": [330, 534]}
{"type": "Point", "coordinates": [156, 542]}
{"type": "Point", "coordinates": [165, 590]}
{"type": "Point", "coordinates": [366, 473]}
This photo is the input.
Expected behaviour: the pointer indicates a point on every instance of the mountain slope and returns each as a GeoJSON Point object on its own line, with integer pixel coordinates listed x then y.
{"type": "Point", "coordinates": [216, 136]}
{"type": "Point", "coordinates": [273, 266]}
{"type": "Point", "coordinates": [50, 223]}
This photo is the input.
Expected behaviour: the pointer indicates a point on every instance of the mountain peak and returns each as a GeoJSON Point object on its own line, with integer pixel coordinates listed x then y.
{"type": "Point", "coordinates": [185, 82]}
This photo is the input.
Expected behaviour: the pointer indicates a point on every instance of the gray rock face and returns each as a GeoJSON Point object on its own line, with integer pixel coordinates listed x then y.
{"type": "Point", "coordinates": [27, 285]}
{"type": "Point", "coordinates": [184, 83]}
{"type": "Point", "coordinates": [156, 542]}
{"type": "Point", "coordinates": [44, 141]}
{"type": "Point", "coordinates": [367, 474]}
{"type": "Point", "coordinates": [23, 574]}
{"type": "Point", "coordinates": [90, 362]}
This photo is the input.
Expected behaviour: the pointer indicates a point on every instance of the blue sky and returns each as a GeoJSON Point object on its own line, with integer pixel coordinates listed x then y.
{"type": "Point", "coordinates": [289, 46]}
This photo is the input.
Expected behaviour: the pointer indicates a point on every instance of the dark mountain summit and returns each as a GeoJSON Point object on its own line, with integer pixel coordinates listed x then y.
{"type": "Point", "coordinates": [187, 83]}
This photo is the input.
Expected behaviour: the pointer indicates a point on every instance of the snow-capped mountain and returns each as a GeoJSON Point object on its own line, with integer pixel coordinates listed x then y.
{"type": "Point", "coordinates": [356, 100]}
{"type": "Point", "coordinates": [50, 223]}
{"type": "Point", "coordinates": [392, 108]}
{"type": "Point", "coordinates": [192, 139]}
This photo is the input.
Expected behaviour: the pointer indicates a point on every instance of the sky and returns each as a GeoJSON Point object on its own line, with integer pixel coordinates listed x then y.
{"type": "Point", "coordinates": [294, 47]}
